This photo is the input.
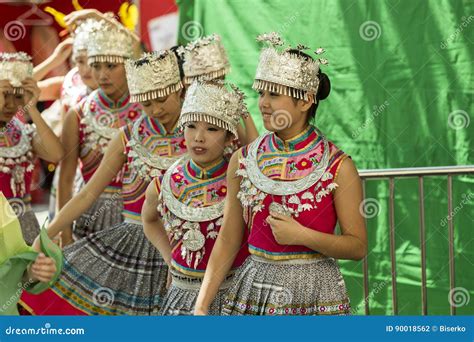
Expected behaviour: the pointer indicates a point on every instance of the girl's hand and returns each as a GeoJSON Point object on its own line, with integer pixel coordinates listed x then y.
{"type": "Point", "coordinates": [43, 269]}
{"type": "Point", "coordinates": [32, 93]}
{"type": "Point", "coordinates": [63, 50]}
{"type": "Point", "coordinates": [5, 87]}
{"type": "Point", "coordinates": [72, 18]}
{"type": "Point", "coordinates": [285, 229]}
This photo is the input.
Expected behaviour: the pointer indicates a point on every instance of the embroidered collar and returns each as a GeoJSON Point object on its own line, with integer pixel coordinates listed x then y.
{"type": "Point", "coordinates": [296, 143]}
{"type": "Point", "coordinates": [109, 103]}
{"type": "Point", "coordinates": [212, 171]}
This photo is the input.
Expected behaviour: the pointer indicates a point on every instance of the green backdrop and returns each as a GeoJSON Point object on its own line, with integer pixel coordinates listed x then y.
{"type": "Point", "coordinates": [402, 96]}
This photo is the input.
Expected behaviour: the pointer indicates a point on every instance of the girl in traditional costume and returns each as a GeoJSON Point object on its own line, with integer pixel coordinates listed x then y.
{"type": "Point", "coordinates": [288, 188]}
{"type": "Point", "coordinates": [89, 127]}
{"type": "Point", "coordinates": [21, 143]}
{"type": "Point", "coordinates": [78, 84]}
{"type": "Point", "coordinates": [190, 198]}
{"type": "Point", "coordinates": [117, 271]}
{"type": "Point", "coordinates": [205, 60]}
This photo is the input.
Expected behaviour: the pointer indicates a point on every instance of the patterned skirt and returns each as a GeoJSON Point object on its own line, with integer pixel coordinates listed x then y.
{"type": "Point", "coordinates": [105, 213]}
{"type": "Point", "coordinates": [30, 227]}
{"type": "Point", "coordinates": [112, 272]}
{"type": "Point", "coordinates": [183, 292]}
{"type": "Point", "coordinates": [289, 287]}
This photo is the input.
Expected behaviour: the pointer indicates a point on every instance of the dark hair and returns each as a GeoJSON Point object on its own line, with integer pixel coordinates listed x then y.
{"type": "Point", "coordinates": [324, 85]}
{"type": "Point", "coordinates": [180, 60]}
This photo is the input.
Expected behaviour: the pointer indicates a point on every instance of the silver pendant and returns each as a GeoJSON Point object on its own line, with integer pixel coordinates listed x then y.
{"type": "Point", "coordinates": [277, 208]}
{"type": "Point", "coordinates": [194, 240]}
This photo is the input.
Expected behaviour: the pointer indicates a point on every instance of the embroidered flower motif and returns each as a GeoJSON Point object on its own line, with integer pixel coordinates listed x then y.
{"type": "Point", "coordinates": [92, 106]}
{"type": "Point", "coordinates": [177, 177]}
{"type": "Point", "coordinates": [182, 144]}
{"type": "Point", "coordinates": [304, 164]}
{"type": "Point", "coordinates": [132, 114]}
{"type": "Point", "coordinates": [222, 191]}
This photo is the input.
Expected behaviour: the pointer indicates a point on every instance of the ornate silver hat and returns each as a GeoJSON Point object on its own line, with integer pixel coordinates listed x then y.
{"type": "Point", "coordinates": [204, 59]}
{"type": "Point", "coordinates": [108, 42]}
{"type": "Point", "coordinates": [81, 36]}
{"type": "Point", "coordinates": [215, 104]}
{"type": "Point", "coordinates": [154, 75]}
{"type": "Point", "coordinates": [285, 72]}
{"type": "Point", "coordinates": [15, 67]}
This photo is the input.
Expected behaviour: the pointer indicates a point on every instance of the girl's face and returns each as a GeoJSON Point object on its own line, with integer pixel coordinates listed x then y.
{"type": "Point", "coordinates": [165, 109]}
{"type": "Point", "coordinates": [111, 78]}
{"type": "Point", "coordinates": [85, 71]}
{"type": "Point", "coordinates": [205, 142]}
{"type": "Point", "coordinates": [12, 103]}
{"type": "Point", "coordinates": [281, 112]}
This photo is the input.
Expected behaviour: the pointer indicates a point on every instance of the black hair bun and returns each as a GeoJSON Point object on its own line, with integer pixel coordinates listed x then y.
{"type": "Point", "coordinates": [324, 87]}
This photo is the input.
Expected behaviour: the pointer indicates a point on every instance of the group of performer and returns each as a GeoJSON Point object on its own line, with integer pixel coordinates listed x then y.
{"type": "Point", "coordinates": [168, 201]}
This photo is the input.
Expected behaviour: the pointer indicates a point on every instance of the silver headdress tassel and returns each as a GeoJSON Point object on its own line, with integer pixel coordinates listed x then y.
{"type": "Point", "coordinates": [284, 72]}
{"type": "Point", "coordinates": [108, 42]}
{"type": "Point", "coordinates": [15, 67]}
{"type": "Point", "coordinates": [204, 59]}
{"type": "Point", "coordinates": [154, 75]}
{"type": "Point", "coordinates": [215, 104]}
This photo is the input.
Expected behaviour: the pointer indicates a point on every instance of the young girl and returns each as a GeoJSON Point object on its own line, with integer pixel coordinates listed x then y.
{"type": "Point", "coordinates": [205, 60]}
{"type": "Point", "coordinates": [191, 195]}
{"type": "Point", "coordinates": [289, 188]}
{"type": "Point", "coordinates": [20, 143]}
{"type": "Point", "coordinates": [78, 84]}
{"type": "Point", "coordinates": [117, 271]}
{"type": "Point", "coordinates": [89, 127]}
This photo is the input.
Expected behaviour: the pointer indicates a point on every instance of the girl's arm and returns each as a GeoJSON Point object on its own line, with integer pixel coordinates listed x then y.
{"type": "Point", "coordinates": [251, 132]}
{"type": "Point", "coordinates": [61, 53]}
{"type": "Point", "coordinates": [67, 171]}
{"type": "Point", "coordinates": [111, 164]}
{"type": "Point", "coordinates": [152, 225]}
{"type": "Point", "coordinates": [352, 243]}
{"type": "Point", "coordinates": [51, 88]}
{"type": "Point", "coordinates": [227, 244]}
{"type": "Point", "coordinates": [45, 143]}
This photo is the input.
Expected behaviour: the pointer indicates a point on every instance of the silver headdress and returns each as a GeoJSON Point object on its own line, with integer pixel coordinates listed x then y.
{"type": "Point", "coordinates": [215, 104]}
{"type": "Point", "coordinates": [154, 75]}
{"type": "Point", "coordinates": [284, 72]}
{"type": "Point", "coordinates": [15, 67]}
{"type": "Point", "coordinates": [108, 42]}
{"type": "Point", "coordinates": [204, 59]}
{"type": "Point", "coordinates": [81, 36]}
